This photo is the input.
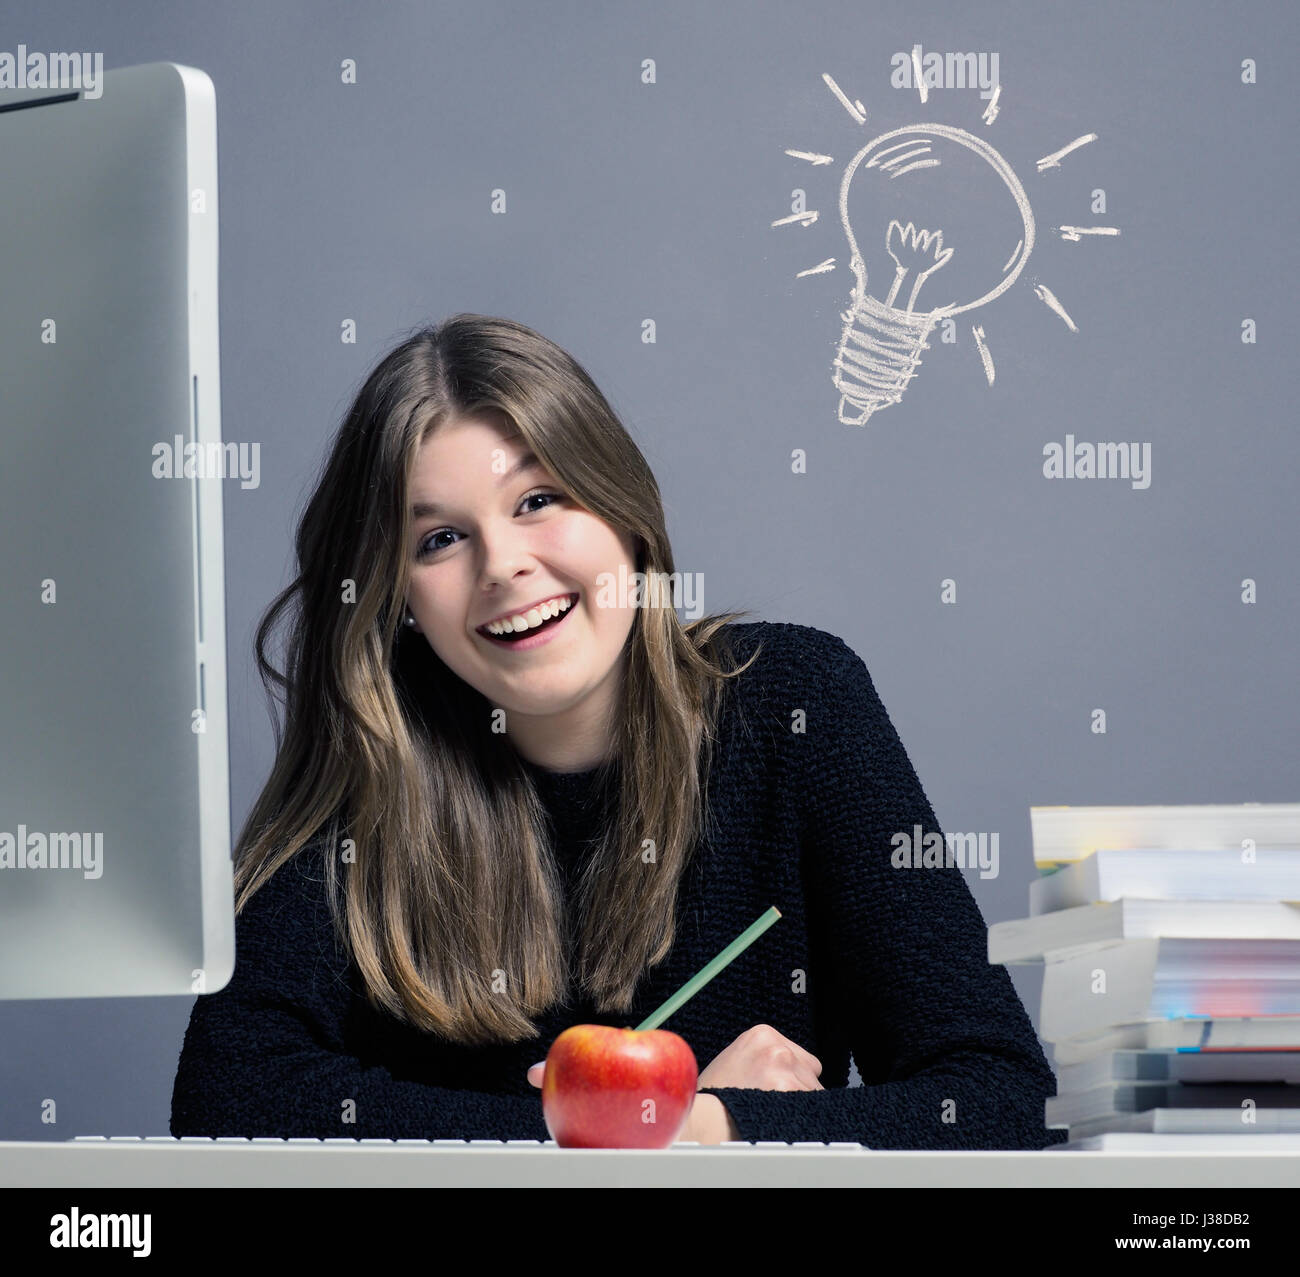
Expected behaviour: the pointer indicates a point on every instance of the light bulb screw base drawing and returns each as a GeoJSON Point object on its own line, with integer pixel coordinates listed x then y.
{"type": "Point", "coordinates": [879, 353]}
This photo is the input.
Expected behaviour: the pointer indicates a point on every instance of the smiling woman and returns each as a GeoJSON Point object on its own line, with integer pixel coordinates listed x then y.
{"type": "Point", "coordinates": [478, 474]}
{"type": "Point", "coordinates": [507, 801]}
{"type": "Point", "coordinates": [519, 578]}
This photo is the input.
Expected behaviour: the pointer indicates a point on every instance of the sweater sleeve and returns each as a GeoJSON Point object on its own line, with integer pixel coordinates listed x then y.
{"type": "Point", "coordinates": [266, 1056]}
{"type": "Point", "coordinates": [947, 1055]}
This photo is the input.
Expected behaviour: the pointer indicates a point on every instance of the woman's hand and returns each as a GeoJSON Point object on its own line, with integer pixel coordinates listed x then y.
{"type": "Point", "coordinates": [760, 1059]}
{"type": "Point", "coordinates": [763, 1059]}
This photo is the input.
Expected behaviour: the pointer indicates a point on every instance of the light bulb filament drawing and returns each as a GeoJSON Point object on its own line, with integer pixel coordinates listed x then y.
{"type": "Point", "coordinates": [915, 246]}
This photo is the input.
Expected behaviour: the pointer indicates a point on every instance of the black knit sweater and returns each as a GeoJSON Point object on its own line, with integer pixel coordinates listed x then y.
{"type": "Point", "coordinates": [889, 964]}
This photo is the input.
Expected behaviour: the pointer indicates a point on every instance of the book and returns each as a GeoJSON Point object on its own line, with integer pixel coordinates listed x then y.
{"type": "Point", "coordinates": [1133, 1097]}
{"type": "Point", "coordinates": [1193, 1121]}
{"type": "Point", "coordinates": [1030, 940]}
{"type": "Point", "coordinates": [1184, 1034]}
{"type": "Point", "coordinates": [1064, 834]}
{"type": "Point", "coordinates": [1156, 874]}
{"type": "Point", "coordinates": [1179, 1066]}
{"type": "Point", "coordinates": [1156, 979]}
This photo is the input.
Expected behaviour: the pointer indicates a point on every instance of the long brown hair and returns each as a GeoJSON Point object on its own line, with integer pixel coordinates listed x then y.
{"type": "Point", "coordinates": [448, 896]}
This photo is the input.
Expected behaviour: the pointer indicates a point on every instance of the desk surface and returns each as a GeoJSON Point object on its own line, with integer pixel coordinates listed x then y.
{"type": "Point", "coordinates": [164, 1162]}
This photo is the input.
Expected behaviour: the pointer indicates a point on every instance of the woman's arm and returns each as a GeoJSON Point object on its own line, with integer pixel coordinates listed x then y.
{"type": "Point", "coordinates": [948, 1057]}
{"type": "Point", "coordinates": [265, 1056]}
{"type": "Point", "coordinates": [709, 1122]}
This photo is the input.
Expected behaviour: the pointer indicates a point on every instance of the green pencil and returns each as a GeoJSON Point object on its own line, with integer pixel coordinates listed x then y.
{"type": "Point", "coordinates": [706, 973]}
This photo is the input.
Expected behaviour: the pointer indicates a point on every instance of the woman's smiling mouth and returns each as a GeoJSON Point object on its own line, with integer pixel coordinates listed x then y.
{"type": "Point", "coordinates": [532, 627]}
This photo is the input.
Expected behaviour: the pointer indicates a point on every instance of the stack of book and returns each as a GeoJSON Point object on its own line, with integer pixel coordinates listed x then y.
{"type": "Point", "coordinates": [1170, 944]}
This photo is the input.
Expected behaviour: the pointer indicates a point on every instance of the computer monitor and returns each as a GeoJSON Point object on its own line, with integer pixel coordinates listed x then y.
{"type": "Point", "coordinates": [115, 871]}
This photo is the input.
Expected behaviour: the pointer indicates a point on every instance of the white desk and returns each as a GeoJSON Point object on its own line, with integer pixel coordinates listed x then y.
{"type": "Point", "coordinates": [164, 1162]}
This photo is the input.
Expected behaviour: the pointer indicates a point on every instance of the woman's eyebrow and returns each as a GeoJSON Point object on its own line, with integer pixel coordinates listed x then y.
{"type": "Point", "coordinates": [426, 509]}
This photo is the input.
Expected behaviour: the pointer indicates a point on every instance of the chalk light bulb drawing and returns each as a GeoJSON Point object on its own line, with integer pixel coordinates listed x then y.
{"type": "Point", "coordinates": [909, 238]}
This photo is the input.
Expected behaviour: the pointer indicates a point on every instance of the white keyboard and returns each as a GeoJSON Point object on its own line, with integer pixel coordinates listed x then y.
{"type": "Point", "coordinates": [436, 1143]}
{"type": "Point", "coordinates": [165, 1161]}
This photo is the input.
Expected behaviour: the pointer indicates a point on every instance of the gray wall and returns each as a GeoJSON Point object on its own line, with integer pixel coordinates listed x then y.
{"type": "Point", "coordinates": [629, 201]}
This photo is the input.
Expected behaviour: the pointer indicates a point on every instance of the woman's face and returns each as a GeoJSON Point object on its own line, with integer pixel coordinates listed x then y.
{"type": "Point", "coordinates": [501, 539]}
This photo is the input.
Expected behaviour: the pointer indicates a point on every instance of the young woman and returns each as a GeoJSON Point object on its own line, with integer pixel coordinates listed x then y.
{"type": "Point", "coordinates": [512, 793]}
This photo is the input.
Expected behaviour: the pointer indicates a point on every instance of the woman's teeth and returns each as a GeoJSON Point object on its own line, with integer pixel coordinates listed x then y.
{"type": "Point", "coordinates": [531, 619]}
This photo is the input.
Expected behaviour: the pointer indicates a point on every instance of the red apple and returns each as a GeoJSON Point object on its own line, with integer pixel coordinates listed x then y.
{"type": "Point", "coordinates": [617, 1088]}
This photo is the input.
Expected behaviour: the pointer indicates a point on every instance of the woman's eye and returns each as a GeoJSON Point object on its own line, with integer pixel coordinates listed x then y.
{"type": "Point", "coordinates": [430, 543]}
{"type": "Point", "coordinates": [430, 546]}
{"type": "Point", "coordinates": [538, 496]}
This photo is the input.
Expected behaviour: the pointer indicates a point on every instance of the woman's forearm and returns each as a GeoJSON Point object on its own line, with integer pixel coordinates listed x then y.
{"type": "Point", "coordinates": [709, 1122]}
